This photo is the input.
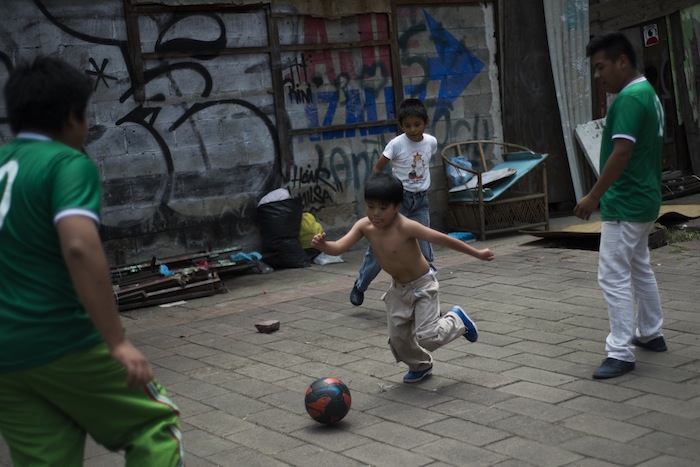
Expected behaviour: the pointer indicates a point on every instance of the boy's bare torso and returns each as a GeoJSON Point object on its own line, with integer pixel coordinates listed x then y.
{"type": "Point", "coordinates": [396, 249]}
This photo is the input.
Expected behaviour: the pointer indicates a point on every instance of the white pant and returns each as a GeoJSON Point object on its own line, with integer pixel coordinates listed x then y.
{"type": "Point", "coordinates": [625, 276]}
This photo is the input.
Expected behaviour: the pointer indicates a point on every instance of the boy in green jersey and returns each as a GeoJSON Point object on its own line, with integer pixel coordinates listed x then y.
{"type": "Point", "coordinates": [629, 192]}
{"type": "Point", "coordinates": [66, 367]}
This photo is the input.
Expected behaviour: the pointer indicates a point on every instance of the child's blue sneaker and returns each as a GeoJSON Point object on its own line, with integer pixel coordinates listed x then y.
{"type": "Point", "coordinates": [415, 376]}
{"type": "Point", "coordinates": [471, 334]}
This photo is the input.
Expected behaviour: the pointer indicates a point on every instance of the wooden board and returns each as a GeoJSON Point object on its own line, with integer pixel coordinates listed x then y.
{"type": "Point", "coordinates": [667, 213]}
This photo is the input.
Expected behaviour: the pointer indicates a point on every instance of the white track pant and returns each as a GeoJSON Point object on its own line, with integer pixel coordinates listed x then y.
{"type": "Point", "coordinates": [626, 277]}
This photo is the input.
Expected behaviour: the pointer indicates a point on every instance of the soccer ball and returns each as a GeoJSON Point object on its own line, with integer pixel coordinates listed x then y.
{"type": "Point", "coordinates": [328, 400]}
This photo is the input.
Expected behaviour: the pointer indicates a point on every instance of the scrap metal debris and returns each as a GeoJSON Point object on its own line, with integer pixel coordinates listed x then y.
{"type": "Point", "coordinates": [676, 184]}
{"type": "Point", "coordinates": [183, 277]}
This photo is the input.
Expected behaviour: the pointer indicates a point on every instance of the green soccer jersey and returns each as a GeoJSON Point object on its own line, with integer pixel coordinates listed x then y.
{"type": "Point", "coordinates": [41, 318]}
{"type": "Point", "coordinates": [635, 114]}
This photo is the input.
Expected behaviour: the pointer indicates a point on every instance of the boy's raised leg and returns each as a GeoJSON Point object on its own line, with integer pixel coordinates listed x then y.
{"type": "Point", "coordinates": [471, 334]}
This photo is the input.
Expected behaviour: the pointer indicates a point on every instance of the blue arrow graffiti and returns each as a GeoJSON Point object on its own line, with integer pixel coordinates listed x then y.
{"type": "Point", "coordinates": [455, 66]}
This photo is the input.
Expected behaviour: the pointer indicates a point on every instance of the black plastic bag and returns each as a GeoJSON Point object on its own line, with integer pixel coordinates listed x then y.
{"type": "Point", "coordinates": [280, 222]}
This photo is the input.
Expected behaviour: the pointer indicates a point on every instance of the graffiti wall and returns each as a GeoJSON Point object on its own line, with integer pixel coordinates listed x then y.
{"type": "Point", "coordinates": [446, 59]}
{"type": "Point", "coordinates": [184, 166]}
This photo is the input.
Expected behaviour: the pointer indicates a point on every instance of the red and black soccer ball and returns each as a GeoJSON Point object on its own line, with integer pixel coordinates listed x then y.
{"type": "Point", "coordinates": [328, 400]}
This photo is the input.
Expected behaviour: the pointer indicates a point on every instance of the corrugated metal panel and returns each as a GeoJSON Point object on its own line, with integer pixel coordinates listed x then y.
{"type": "Point", "coordinates": [567, 35]}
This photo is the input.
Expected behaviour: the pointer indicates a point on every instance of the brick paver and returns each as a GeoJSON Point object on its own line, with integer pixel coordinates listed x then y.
{"type": "Point", "coordinates": [522, 394]}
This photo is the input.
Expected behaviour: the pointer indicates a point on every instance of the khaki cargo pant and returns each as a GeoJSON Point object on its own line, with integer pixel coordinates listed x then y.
{"type": "Point", "coordinates": [415, 325]}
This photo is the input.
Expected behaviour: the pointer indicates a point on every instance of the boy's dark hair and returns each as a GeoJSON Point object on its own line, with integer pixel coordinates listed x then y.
{"type": "Point", "coordinates": [613, 44]}
{"type": "Point", "coordinates": [412, 108]}
{"type": "Point", "coordinates": [384, 188]}
{"type": "Point", "coordinates": [42, 94]}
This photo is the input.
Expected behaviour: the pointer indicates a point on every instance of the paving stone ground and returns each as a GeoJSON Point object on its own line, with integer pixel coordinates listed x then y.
{"type": "Point", "coordinates": [521, 395]}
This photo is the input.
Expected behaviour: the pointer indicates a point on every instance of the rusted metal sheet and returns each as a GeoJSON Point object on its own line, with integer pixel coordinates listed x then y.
{"type": "Point", "coordinates": [567, 35]}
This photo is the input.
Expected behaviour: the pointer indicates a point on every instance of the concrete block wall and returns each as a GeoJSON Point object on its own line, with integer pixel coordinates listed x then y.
{"type": "Point", "coordinates": [184, 170]}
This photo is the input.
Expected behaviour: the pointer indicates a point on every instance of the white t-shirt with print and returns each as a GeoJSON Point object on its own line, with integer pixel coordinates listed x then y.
{"type": "Point", "coordinates": [410, 162]}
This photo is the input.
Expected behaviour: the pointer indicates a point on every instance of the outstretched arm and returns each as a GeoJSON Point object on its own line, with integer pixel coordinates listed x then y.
{"type": "Point", "coordinates": [86, 262]}
{"type": "Point", "coordinates": [422, 232]}
{"type": "Point", "coordinates": [340, 246]}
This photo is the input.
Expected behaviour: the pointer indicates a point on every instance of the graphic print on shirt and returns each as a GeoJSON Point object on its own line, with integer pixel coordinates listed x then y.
{"type": "Point", "coordinates": [418, 167]}
{"type": "Point", "coordinates": [8, 171]}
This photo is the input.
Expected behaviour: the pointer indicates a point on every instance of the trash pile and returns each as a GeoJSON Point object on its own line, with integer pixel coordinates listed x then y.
{"type": "Point", "coordinates": [286, 234]}
{"type": "Point", "coordinates": [183, 277]}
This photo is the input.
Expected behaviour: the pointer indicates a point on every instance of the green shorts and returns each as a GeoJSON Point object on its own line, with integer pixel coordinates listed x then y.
{"type": "Point", "coordinates": [47, 411]}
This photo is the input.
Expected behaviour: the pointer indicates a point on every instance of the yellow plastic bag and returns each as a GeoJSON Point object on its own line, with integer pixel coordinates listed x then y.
{"type": "Point", "coordinates": [309, 228]}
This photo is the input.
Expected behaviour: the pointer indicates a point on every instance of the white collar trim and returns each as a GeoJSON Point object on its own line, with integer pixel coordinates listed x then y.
{"type": "Point", "coordinates": [36, 136]}
{"type": "Point", "coordinates": [635, 81]}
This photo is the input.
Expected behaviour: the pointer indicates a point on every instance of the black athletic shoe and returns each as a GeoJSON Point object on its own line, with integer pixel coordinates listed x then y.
{"type": "Point", "coordinates": [655, 345]}
{"type": "Point", "coordinates": [612, 367]}
{"type": "Point", "coordinates": [357, 296]}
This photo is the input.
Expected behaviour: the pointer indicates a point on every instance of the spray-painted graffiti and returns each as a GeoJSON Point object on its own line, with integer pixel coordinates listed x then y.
{"type": "Point", "coordinates": [314, 185]}
{"type": "Point", "coordinates": [455, 67]}
{"type": "Point", "coordinates": [359, 82]}
{"type": "Point", "coordinates": [180, 144]}
{"type": "Point", "coordinates": [99, 73]}
{"type": "Point", "coordinates": [321, 182]}
{"type": "Point", "coordinates": [342, 86]}
{"type": "Point", "coordinates": [163, 185]}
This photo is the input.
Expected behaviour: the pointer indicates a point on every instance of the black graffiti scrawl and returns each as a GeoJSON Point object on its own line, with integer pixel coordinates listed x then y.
{"type": "Point", "coordinates": [171, 191]}
{"type": "Point", "coordinates": [186, 135]}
